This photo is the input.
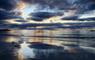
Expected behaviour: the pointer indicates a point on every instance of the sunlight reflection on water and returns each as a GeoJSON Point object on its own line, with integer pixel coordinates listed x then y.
{"type": "Point", "coordinates": [44, 44]}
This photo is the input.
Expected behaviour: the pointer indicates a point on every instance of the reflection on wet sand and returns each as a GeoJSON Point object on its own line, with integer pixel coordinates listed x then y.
{"type": "Point", "coordinates": [58, 44]}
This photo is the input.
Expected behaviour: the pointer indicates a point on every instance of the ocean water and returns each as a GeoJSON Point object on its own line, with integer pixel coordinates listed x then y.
{"type": "Point", "coordinates": [56, 44]}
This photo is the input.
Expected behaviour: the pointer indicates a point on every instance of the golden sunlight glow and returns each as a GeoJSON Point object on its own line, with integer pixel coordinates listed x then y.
{"type": "Point", "coordinates": [13, 21]}
{"type": "Point", "coordinates": [21, 6]}
{"type": "Point", "coordinates": [53, 19]}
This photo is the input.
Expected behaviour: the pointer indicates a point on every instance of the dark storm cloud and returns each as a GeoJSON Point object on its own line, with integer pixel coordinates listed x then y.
{"type": "Point", "coordinates": [84, 5]}
{"type": "Point", "coordinates": [6, 8]}
{"type": "Point", "coordinates": [70, 18]}
{"type": "Point", "coordinates": [7, 15]}
{"type": "Point", "coordinates": [81, 6]}
{"type": "Point", "coordinates": [61, 4]}
{"type": "Point", "coordinates": [89, 19]}
{"type": "Point", "coordinates": [39, 16]}
{"type": "Point", "coordinates": [65, 4]}
{"type": "Point", "coordinates": [8, 4]}
{"type": "Point", "coordinates": [44, 14]}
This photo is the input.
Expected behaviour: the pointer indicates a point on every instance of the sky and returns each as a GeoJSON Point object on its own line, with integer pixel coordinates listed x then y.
{"type": "Point", "coordinates": [39, 10]}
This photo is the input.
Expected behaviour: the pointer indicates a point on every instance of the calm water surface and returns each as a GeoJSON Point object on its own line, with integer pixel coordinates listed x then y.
{"type": "Point", "coordinates": [58, 44]}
